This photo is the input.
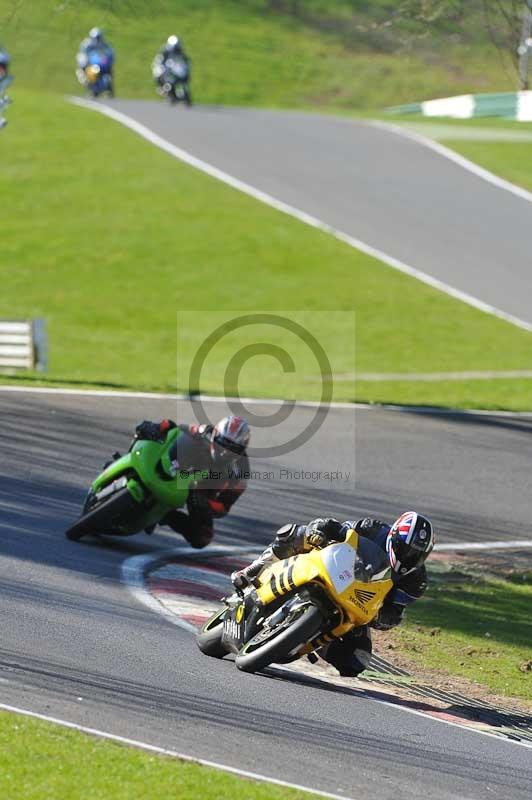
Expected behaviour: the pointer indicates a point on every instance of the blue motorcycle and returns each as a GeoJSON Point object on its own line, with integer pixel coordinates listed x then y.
{"type": "Point", "coordinates": [98, 73]}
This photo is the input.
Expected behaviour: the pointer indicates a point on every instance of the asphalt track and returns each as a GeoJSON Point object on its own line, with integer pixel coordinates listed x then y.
{"type": "Point", "coordinates": [378, 186]}
{"type": "Point", "coordinates": [76, 644]}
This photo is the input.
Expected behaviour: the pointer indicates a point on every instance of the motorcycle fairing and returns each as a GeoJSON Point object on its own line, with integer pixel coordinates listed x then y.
{"type": "Point", "coordinates": [151, 472]}
{"type": "Point", "coordinates": [336, 569]}
{"type": "Point", "coordinates": [234, 626]}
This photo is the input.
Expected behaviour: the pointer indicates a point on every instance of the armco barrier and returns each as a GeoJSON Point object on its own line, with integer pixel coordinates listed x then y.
{"type": "Point", "coordinates": [23, 345]}
{"type": "Point", "coordinates": [510, 105]}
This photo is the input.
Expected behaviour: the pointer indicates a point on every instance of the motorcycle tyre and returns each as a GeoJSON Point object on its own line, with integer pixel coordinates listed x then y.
{"type": "Point", "coordinates": [102, 516]}
{"type": "Point", "coordinates": [210, 641]}
{"type": "Point", "coordinates": [274, 651]}
{"type": "Point", "coordinates": [172, 97]}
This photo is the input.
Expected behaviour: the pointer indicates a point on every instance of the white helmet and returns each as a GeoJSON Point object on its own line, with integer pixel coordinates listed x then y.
{"type": "Point", "coordinates": [173, 41]}
{"type": "Point", "coordinates": [96, 34]}
{"type": "Point", "coordinates": [229, 438]}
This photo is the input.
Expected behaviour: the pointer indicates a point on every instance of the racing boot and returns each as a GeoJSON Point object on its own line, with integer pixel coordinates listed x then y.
{"type": "Point", "coordinates": [197, 534]}
{"type": "Point", "coordinates": [351, 654]}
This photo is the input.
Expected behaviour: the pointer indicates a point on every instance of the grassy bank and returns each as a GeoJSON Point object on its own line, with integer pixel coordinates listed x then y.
{"type": "Point", "coordinates": [502, 146]}
{"type": "Point", "coordinates": [510, 160]}
{"type": "Point", "coordinates": [330, 54]}
{"type": "Point", "coordinates": [67, 764]}
{"type": "Point", "coordinates": [127, 241]}
{"type": "Point", "coordinates": [475, 627]}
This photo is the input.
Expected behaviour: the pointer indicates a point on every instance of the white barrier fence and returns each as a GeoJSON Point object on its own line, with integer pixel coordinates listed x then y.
{"type": "Point", "coordinates": [23, 345]}
{"type": "Point", "coordinates": [510, 105]}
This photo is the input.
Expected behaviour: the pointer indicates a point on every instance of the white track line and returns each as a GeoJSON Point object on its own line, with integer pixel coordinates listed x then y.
{"type": "Point", "coordinates": [456, 158]}
{"type": "Point", "coordinates": [264, 401]}
{"type": "Point", "coordinates": [302, 216]}
{"type": "Point", "coordinates": [134, 569]}
{"type": "Point", "coordinates": [434, 377]}
{"type": "Point", "coordinates": [173, 753]}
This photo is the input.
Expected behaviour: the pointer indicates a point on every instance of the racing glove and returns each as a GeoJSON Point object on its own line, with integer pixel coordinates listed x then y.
{"type": "Point", "coordinates": [153, 431]}
{"type": "Point", "coordinates": [368, 526]}
{"type": "Point", "coordinates": [321, 532]}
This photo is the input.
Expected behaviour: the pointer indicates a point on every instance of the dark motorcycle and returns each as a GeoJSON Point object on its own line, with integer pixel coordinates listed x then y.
{"type": "Point", "coordinates": [173, 78]}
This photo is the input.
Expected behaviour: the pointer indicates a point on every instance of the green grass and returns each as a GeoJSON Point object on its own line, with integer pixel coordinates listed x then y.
{"type": "Point", "coordinates": [510, 160]}
{"type": "Point", "coordinates": [331, 54]}
{"type": "Point", "coordinates": [485, 141]}
{"type": "Point", "coordinates": [481, 630]}
{"type": "Point", "coordinates": [41, 761]}
{"type": "Point", "coordinates": [111, 250]}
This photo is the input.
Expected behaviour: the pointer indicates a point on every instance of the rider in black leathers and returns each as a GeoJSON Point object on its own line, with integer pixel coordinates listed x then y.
{"type": "Point", "coordinates": [407, 542]}
{"type": "Point", "coordinates": [219, 449]}
{"type": "Point", "coordinates": [171, 49]}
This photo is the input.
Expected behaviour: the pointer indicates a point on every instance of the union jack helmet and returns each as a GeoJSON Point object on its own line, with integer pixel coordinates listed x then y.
{"type": "Point", "coordinates": [230, 437]}
{"type": "Point", "coordinates": [410, 541]}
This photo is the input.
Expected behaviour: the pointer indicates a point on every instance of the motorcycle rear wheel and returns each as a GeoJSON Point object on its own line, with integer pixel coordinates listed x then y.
{"type": "Point", "coordinates": [255, 655]}
{"type": "Point", "coordinates": [102, 518]}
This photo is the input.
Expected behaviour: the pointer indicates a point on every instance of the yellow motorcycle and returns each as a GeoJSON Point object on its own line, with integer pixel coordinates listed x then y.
{"type": "Point", "coordinates": [300, 604]}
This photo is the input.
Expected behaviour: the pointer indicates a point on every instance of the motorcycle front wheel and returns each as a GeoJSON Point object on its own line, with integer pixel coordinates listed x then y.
{"type": "Point", "coordinates": [210, 637]}
{"type": "Point", "coordinates": [105, 517]}
{"type": "Point", "coordinates": [278, 644]}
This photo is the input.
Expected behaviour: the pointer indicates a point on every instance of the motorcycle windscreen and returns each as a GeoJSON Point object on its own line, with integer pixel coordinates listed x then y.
{"type": "Point", "coordinates": [358, 580]}
{"type": "Point", "coordinates": [372, 562]}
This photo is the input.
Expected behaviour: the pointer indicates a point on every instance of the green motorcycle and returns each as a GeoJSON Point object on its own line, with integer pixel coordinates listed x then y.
{"type": "Point", "coordinates": [137, 490]}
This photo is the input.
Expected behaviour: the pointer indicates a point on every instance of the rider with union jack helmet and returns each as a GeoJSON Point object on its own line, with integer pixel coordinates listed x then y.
{"type": "Point", "coordinates": [220, 451]}
{"type": "Point", "coordinates": [408, 543]}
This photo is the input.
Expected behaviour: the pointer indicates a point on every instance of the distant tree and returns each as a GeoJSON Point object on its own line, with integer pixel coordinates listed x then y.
{"type": "Point", "coordinates": [429, 11]}
{"type": "Point", "coordinates": [508, 23]}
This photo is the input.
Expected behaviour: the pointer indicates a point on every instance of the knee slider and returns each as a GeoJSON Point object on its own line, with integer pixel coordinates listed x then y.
{"type": "Point", "coordinates": [360, 660]}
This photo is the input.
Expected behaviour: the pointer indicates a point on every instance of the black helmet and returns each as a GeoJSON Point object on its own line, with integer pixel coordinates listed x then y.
{"type": "Point", "coordinates": [410, 541]}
